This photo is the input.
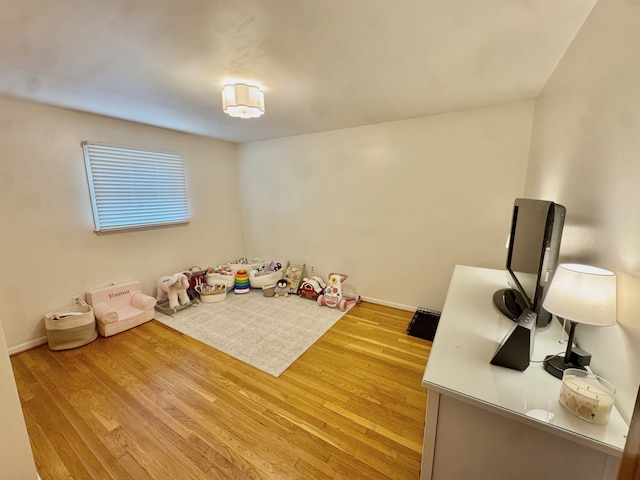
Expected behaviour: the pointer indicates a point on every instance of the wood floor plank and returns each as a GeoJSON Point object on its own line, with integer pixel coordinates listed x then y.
{"type": "Point", "coordinates": [152, 403]}
{"type": "Point", "coordinates": [47, 460]}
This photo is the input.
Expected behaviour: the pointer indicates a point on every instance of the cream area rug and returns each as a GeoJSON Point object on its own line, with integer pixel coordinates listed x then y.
{"type": "Point", "coordinates": [268, 333]}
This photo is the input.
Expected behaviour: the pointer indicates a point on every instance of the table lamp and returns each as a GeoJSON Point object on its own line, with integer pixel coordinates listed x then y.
{"type": "Point", "coordinates": [579, 294]}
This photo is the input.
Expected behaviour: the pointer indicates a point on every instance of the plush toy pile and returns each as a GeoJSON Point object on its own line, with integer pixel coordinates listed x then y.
{"type": "Point", "coordinates": [243, 274]}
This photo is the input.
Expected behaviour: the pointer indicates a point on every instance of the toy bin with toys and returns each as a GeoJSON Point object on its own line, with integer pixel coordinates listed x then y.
{"type": "Point", "coordinates": [265, 274]}
{"type": "Point", "coordinates": [245, 263]}
{"type": "Point", "coordinates": [222, 274]}
{"type": "Point", "coordinates": [212, 293]}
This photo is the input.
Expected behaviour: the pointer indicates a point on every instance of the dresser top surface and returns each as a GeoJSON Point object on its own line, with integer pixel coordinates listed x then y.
{"type": "Point", "coordinates": [468, 335]}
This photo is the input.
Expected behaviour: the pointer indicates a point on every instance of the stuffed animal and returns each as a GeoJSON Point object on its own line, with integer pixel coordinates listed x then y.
{"type": "Point", "coordinates": [174, 287]}
{"type": "Point", "coordinates": [282, 288]}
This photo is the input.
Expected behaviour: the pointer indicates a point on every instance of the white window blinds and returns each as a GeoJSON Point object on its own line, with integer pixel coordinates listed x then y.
{"type": "Point", "coordinates": [133, 188]}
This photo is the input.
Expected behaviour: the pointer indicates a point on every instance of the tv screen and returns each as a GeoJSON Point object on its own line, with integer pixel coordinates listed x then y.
{"type": "Point", "coordinates": [533, 249]}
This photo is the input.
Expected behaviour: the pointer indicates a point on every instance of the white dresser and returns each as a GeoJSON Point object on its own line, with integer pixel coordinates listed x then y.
{"type": "Point", "coordinates": [489, 422]}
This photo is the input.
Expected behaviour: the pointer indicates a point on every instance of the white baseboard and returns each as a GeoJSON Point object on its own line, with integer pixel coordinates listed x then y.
{"type": "Point", "coordinates": [399, 306]}
{"type": "Point", "coordinates": [28, 345]}
{"type": "Point", "coordinates": [42, 340]}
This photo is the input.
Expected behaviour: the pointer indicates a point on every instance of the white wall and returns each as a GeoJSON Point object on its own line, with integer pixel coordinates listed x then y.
{"type": "Point", "coordinates": [16, 460]}
{"type": "Point", "coordinates": [585, 154]}
{"type": "Point", "coordinates": [396, 205]}
{"type": "Point", "coordinates": [50, 251]}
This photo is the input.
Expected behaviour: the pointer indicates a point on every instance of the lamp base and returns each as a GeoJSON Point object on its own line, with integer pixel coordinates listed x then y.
{"type": "Point", "coordinates": [556, 365]}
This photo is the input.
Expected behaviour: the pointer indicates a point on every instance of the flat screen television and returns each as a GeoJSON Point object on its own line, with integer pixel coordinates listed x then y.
{"type": "Point", "coordinates": [533, 249]}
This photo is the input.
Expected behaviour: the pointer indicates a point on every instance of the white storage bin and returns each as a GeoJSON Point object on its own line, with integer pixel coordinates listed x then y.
{"type": "Point", "coordinates": [259, 281]}
{"type": "Point", "coordinates": [70, 327]}
{"type": "Point", "coordinates": [218, 278]}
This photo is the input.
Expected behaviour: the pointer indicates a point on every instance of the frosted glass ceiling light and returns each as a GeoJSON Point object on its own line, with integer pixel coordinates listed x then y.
{"type": "Point", "coordinates": [242, 100]}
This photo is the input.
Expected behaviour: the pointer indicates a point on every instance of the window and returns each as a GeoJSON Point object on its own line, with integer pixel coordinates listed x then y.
{"type": "Point", "coordinates": [133, 188]}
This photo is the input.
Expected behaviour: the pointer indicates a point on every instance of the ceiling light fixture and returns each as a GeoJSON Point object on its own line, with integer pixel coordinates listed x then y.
{"type": "Point", "coordinates": [242, 100]}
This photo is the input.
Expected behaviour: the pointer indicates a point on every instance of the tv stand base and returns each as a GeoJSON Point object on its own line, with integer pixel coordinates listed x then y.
{"type": "Point", "coordinates": [510, 303]}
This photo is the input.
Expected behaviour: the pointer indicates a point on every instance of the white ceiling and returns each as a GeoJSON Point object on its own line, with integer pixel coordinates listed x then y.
{"type": "Point", "coordinates": [324, 64]}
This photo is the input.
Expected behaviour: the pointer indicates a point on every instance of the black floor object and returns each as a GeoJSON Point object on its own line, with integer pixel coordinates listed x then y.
{"type": "Point", "coordinates": [424, 324]}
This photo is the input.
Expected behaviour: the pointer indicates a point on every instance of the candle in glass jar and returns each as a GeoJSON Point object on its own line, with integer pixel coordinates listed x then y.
{"type": "Point", "coordinates": [587, 399]}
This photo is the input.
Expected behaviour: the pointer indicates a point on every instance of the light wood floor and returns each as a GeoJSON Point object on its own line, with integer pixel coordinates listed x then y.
{"type": "Point", "coordinates": [151, 403]}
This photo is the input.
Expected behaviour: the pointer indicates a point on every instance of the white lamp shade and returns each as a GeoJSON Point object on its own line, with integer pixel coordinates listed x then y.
{"type": "Point", "coordinates": [242, 100]}
{"type": "Point", "coordinates": [583, 294]}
